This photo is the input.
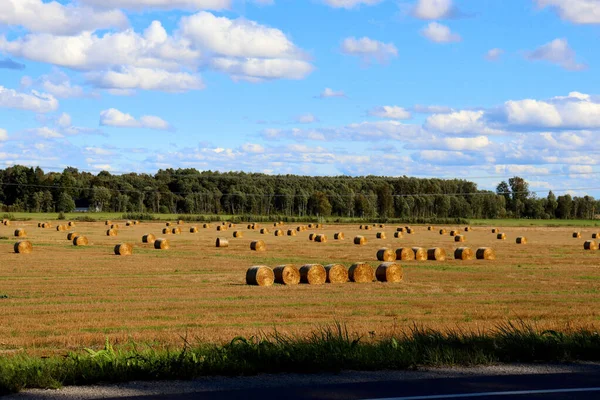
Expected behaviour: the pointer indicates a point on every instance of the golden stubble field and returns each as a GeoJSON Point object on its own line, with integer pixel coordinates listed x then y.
{"type": "Point", "coordinates": [63, 297]}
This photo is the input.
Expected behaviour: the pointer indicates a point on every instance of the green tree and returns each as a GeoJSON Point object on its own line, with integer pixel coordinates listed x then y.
{"type": "Point", "coordinates": [65, 203]}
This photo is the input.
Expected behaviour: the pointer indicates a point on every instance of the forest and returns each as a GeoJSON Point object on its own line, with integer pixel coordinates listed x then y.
{"type": "Point", "coordinates": [189, 191]}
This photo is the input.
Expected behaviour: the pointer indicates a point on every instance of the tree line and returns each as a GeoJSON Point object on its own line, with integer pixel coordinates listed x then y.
{"type": "Point", "coordinates": [189, 191]}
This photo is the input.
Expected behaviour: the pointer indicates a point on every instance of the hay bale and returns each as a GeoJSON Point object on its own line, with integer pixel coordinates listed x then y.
{"type": "Point", "coordinates": [420, 253]}
{"type": "Point", "coordinates": [590, 245]}
{"type": "Point", "coordinates": [436, 254]}
{"type": "Point", "coordinates": [123, 249]}
{"type": "Point", "coordinates": [193, 229]}
{"type": "Point", "coordinates": [338, 236]}
{"type": "Point", "coordinates": [129, 223]}
{"type": "Point", "coordinates": [430, 228]}
{"type": "Point", "coordinates": [398, 235]}
{"type": "Point", "coordinates": [39, 224]}
{"type": "Point", "coordinates": [299, 229]}
{"type": "Point", "coordinates": [501, 236]}
{"type": "Point", "coordinates": [107, 222]}
{"type": "Point", "coordinates": [168, 224]}
{"type": "Point", "coordinates": [464, 253]}
{"type": "Point", "coordinates": [222, 242]}
{"type": "Point", "coordinates": [405, 254]}
{"type": "Point", "coordinates": [389, 272]}
{"type": "Point", "coordinates": [360, 240]}
{"type": "Point", "coordinates": [238, 234]}
{"type": "Point", "coordinates": [6, 222]}
{"type": "Point", "coordinates": [71, 223]}
{"type": "Point", "coordinates": [521, 240]}
{"type": "Point", "coordinates": [321, 238]}
{"type": "Point", "coordinates": [368, 227]}
{"type": "Point", "coordinates": [382, 226]}
{"type": "Point", "coordinates": [80, 241]}
{"type": "Point", "coordinates": [136, 222]}
{"type": "Point", "coordinates": [279, 232]}
{"type": "Point", "coordinates": [275, 224]}
{"type": "Point", "coordinates": [577, 235]}
{"type": "Point", "coordinates": [205, 226]}
{"type": "Point", "coordinates": [221, 228]}
{"type": "Point", "coordinates": [468, 229]}
{"type": "Point", "coordinates": [291, 232]}
{"type": "Point", "coordinates": [313, 274]}
{"type": "Point", "coordinates": [166, 231]}
{"type": "Point", "coordinates": [260, 275]}
{"type": "Point", "coordinates": [61, 228]}
{"type": "Point", "coordinates": [114, 226]}
{"type": "Point", "coordinates": [453, 233]}
{"type": "Point", "coordinates": [231, 225]}
{"type": "Point", "coordinates": [336, 273]}
{"type": "Point", "coordinates": [20, 232]}
{"type": "Point", "coordinates": [485, 253]}
{"type": "Point", "coordinates": [361, 272]}
{"type": "Point", "coordinates": [148, 238]}
{"type": "Point", "coordinates": [410, 231]}
{"type": "Point", "coordinates": [180, 222]}
{"type": "Point", "coordinates": [311, 236]}
{"type": "Point", "coordinates": [287, 274]}
{"type": "Point", "coordinates": [258, 245]}
{"type": "Point", "coordinates": [46, 225]}
{"type": "Point", "coordinates": [310, 226]}
{"type": "Point", "coordinates": [176, 230]}
{"type": "Point", "coordinates": [443, 231]}
{"type": "Point", "coordinates": [112, 232]}
{"type": "Point", "coordinates": [459, 238]}
{"type": "Point", "coordinates": [71, 235]}
{"type": "Point", "coordinates": [264, 231]}
{"type": "Point", "coordinates": [161, 244]}
{"type": "Point", "coordinates": [23, 247]}
{"type": "Point", "coordinates": [386, 254]}
{"type": "Point", "coordinates": [595, 235]}
{"type": "Point", "coordinates": [380, 235]}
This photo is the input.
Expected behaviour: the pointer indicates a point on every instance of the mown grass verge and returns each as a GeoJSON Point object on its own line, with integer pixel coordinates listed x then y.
{"type": "Point", "coordinates": [330, 349]}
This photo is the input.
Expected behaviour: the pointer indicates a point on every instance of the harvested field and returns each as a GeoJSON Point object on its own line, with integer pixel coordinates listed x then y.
{"type": "Point", "coordinates": [64, 297]}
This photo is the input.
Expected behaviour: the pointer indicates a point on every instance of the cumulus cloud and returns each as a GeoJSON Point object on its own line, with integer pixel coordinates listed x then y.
{"type": "Point", "coordinates": [3, 135]}
{"type": "Point", "coordinates": [57, 83]}
{"type": "Point", "coordinates": [369, 49]}
{"type": "Point", "coordinates": [557, 52]}
{"type": "Point", "coordinates": [350, 3]}
{"type": "Point", "coordinates": [392, 112]}
{"type": "Point", "coordinates": [253, 148]}
{"type": "Point", "coordinates": [434, 9]}
{"type": "Point", "coordinates": [494, 54]}
{"type": "Point", "coordinates": [576, 11]}
{"type": "Point", "coordinates": [116, 118]}
{"type": "Point", "coordinates": [439, 33]}
{"type": "Point", "coordinates": [127, 78]}
{"type": "Point", "coordinates": [140, 5]}
{"type": "Point", "coordinates": [460, 122]}
{"type": "Point", "coordinates": [328, 92]}
{"type": "Point", "coordinates": [306, 118]}
{"type": "Point", "coordinates": [34, 101]}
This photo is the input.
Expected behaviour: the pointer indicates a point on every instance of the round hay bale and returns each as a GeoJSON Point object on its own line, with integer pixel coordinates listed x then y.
{"type": "Point", "coordinates": [410, 231]}
{"type": "Point", "coordinates": [430, 228]}
{"type": "Point", "coordinates": [485, 253]}
{"type": "Point", "coordinates": [386, 254]}
{"type": "Point", "coordinates": [205, 226]}
{"type": "Point", "coordinates": [501, 236]}
{"type": "Point", "coordinates": [136, 222]}
{"type": "Point", "coordinates": [368, 227]}
{"type": "Point", "coordinates": [249, 226]}
{"type": "Point", "coordinates": [6, 222]}
{"type": "Point", "coordinates": [401, 229]}
{"type": "Point", "coordinates": [360, 240]}
{"type": "Point", "coordinates": [521, 240]}
{"type": "Point", "coordinates": [71, 223]}
{"type": "Point", "coordinates": [238, 234]}
{"type": "Point", "coordinates": [20, 232]}
{"type": "Point", "coordinates": [80, 241]}
{"type": "Point", "coordinates": [495, 230]}
{"type": "Point", "coordinates": [405, 254]}
{"type": "Point", "coordinates": [313, 274]}
{"type": "Point", "coordinates": [275, 224]}
{"type": "Point", "coordinates": [114, 226]}
{"type": "Point", "coordinates": [398, 235]}
{"type": "Point", "coordinates": [577, 235]}
{"type": "Point", "coordinates": [61, 228]}
{"type": "Point", "coordinates": [291, 232]}
{"type": "Point", "coordinates": [380, 235]}
{"type": "Point", "coordinates": [23, 247]}
{"type": "Point", "coordinates": [176, 230]}
{"type": "Point", "coordinates": [166, 231]}
{"type": "Point", "coordinates": [148, 238]}
{"type": "Point", "coordinates": [222, 242]}
{"type": "Point", "coordinates": [258, 245]}
{"type": "Point", "coordinates": [112, 232]}
{"type": "Point", "coordinates": [287, 274]}
{"type": "Point", "coordinates": [453, 233]}
{"type": "Point", "coordinates": [338, 236]}
{"type": "Point", "coordinates": [595, 235]}
{"type": "Point", "coordinates": [71, 235]}
{"type": "Point", "coordinates": [107, 222]}
{"type": "Point", "coordinates": [468, 229]}
{"type": "Point", "coordinates": [436, 254]}
{"type": "Point", "coordinates": [193, 229]}
{"type": "Point", "coordinates": [389, 272]}
{"type": "Point", "coordinates": [311, 236]}
{"type": "Point", "coordinates": [231, 225]}
{"type": "Point", "coordinates": [420, 253]}
{"type": "Point", "coordinates": [464, 253]}
{"type": "Point", "coordinates": [310, 226]}
{"type": "Point", "coordinates": [39, 224]}
{"type": "Point", "coordinates": [168, 224]}
{"type": "Point", "coordinates": [361, 272]}
{"type": "Point", "coordinates": [278, 232]}
{"type": "Point", "coordinates": [123, 249]}
{"type": "Point", "coordinates": [443, 231]}
{"type": "Point", "coordinates": [260, 275]}
{"type": "Point", "coordinates": [459, 238]}
{"type": "Point", "coordinates": [590, 245]}
{"type": "Point", "coordinates": [299, 229]}
{"type": "Point", "coordinates": [128, 223]}
{"type": "Point", "coordinates": [336, 273]}
{"type": "Point", "coordinates": [46, 225]}
{"type": "Point", "coordinates": [180, 222]}
{"type": "Point", "coordinates": [382, 226]}
{"type": "Point", "coordinates": [161, 244]}
{"type": "Point", "coordinates": [221, 228]}
{"type": "Point", "coordinates": [264, 231]}
{"type": "Point", "coordinates": [321, 238]}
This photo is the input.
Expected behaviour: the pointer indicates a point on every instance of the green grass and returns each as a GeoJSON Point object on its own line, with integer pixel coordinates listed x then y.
{"type": "Point", "coordinates": [331, 348]}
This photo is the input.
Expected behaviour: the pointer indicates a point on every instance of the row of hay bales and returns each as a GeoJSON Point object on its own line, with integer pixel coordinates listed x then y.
{"type": "Point", "coordinates": [590, 245]}
{"type": "Point", "coordinates": [433, 254]}
{"type": "Point", "coordinates": [317, 274]}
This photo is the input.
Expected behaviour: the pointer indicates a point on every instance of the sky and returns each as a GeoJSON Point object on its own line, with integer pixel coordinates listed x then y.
{"type": "Point", "coordinates": [482, 90]}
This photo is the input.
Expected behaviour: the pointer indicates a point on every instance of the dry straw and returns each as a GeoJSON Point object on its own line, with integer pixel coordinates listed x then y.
{"type": "Point", "coordinates": [123, 249]}
{"type": "Point", "coordinates": [23, 247]}
{"type": "Point", "coordinates": [238, 234]}
{"type": "Point", "coordinates": [279, 232]}
{"type": "Point", "coordinates": [398, 235]}
{"type": "Point", "coordinates": [287, 274]}
{"type": "Point", "coordinates": [20, 232]}
{"type": "Point", "coordinates": [111, 232]}
{"type": "Point", "coordinates": [386, 254]}
{"type": "Point", "coordinates": [291, 232]}
{"type": "Point", "coordinates": [436, 254]}
{"type": "Point", "coordinates": [420, 253]}
{"type": "Point", "coordinates": [380, 235]}
{"type": "Point", "coordinates": [260, 275]}
{"type": "Point", "coordinates": [521, 240]}
{"type": "Point", "coordinates": [405, 254]}
{"type": "Point", "coordinates": [464, 253]}
{"type": "Point", "coordinates": [501, 236]}
{"type": "Point", "coordinates": [80, 241]}
{"type": "Point", "coordinates": [161, 244]}
{"type": "Point", "coordinates": [148, 238]}
{"type": "Point", "coordinates": [313, 274]}
{"type": "Point", "coordinates": [590, 245]}
{"type": "Point", "coordinates": [360, 240]}
{"type": "Point", "coordinates": [71, 235]}
{"type": "Point", "coordinates": [577, 235]}
{"type": "Point", "coordinates": [485, 253]}
{"type": "Point", "coordinates": [595, 235]}
{"type": "Point", "coordinates": [222, 242]}
{"type": "Point", "coordinates": [258, 245]}
{"type": "Point", "coordinates": [193, 229]}
{"type": "Point", "coordinates": [180, 222]}
{"type": "Point", "coordinates": [321, 238]}
{"type": "Point", "coordinates": [389, 272]}
{"type": "Point", "coordinates": [459, 238]}
{"type": "Point", "coordinates": [336, 273]}
{"type": "Point", "coordinates": [338, 236]}
{"type": "Point", "coordinates": [361, 272]}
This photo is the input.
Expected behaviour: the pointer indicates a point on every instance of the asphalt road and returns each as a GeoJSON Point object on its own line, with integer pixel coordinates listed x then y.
{"type": "Point", "coordinates": [554, 382]}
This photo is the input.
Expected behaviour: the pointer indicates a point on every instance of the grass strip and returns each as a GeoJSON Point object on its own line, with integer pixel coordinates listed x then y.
{"type": "Point", "coordinates": [329, 349]}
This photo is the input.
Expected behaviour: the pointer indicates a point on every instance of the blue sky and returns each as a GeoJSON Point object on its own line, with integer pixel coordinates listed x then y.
{"type": "Point", "coordinates": [482, 90]}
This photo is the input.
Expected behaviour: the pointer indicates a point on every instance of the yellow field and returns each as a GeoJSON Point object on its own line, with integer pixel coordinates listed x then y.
{"type": "Point", "coordinates": [66, 297]}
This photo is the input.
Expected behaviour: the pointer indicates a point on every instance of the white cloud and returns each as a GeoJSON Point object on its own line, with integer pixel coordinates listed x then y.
{"type": "Point", "coordinates": [57, 83]}
{"type": "Point", "coordinates": [466, 144]}
{"type": "Point", "coordinates": [392, 112]}
{"type": "Point", "coordinates": [514, 169]}
{"type": "Point", "coordinates": [369, 49]}
{"type": "Point", "coordinates": [259, 69]}
{"type": "Point", "coordinates": [140, 5]}
{"type": "Point", "coordinates": [460, 122]}
{"type": "Point", "coordinates": [432, 109]}
{"type": "Point", "coordinates": [306, 118]}
{"type": "Point", "coordinates": [46, 133]}
{"type": "Point", "coordinates": [439, 33]}
{"type": "Point", "coordinates": [494, 54]}
{"type": "Point", "coordinates": [128, 78]}
{"type": "Point", "coordinates": [3, 135]}
{"type": "Point", "coordinates": [35, 101]}
{"type": "Point", "coordinates": [116, 118]}
{"type": "Point", "coordinates": [64, 120]}
{"type": "Point", "coordinates": [53, 17]}
{"type": "Point", "coordinates": [350, 3]}
{"type": "Point", "coordinates": [557, 52]}
{"type": "Point", "coordinates": [576, 11]}
{"type": "Point", "coordinates": [433, 9]}
{"type": "Point", "coordinates": [328, 92]}
{"type": "Point", "coordinates": [253, 148]}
